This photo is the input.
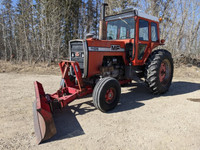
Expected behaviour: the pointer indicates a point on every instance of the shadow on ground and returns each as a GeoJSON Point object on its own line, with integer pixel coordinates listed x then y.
{"type": "Point", "coordinates": [139, 92]}
{"type": "Point", "coordinates": [68, 126]}
{"type": "Point", "coordinates": [66, 123]}
{"type": "Point", "coordinates": [182, 87]}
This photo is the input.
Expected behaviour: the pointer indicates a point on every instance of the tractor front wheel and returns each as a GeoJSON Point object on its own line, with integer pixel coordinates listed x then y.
{"type": "Point", "coordinates": [106, 94]}
{"type": "Point", "coordinates": [159, 71]}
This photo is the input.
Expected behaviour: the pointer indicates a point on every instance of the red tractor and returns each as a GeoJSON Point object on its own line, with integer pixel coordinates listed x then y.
{"type": "Point", "coordinates": [123, 52]}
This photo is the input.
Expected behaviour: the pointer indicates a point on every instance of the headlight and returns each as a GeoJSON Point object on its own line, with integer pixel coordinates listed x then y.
{"type": "Point", "coordinates": [82, 54]}
{"type": "Point", "coordinates": [73, 54]}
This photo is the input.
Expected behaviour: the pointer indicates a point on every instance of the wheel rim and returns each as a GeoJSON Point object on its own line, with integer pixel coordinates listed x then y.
{"type": "Point", "coordinates": [164, 72]}
{"type": "Point", "coordinates": [110, 95]}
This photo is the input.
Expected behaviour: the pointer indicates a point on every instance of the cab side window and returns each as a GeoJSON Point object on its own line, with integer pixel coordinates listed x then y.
{"type": "Point", "coordinates": [154, 32]}
{"type": "Point", "coordinates": [143, 30]}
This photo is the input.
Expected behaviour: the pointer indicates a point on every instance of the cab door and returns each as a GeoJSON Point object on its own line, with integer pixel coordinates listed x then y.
{"type": "Point", "coordinates": [143, 41]}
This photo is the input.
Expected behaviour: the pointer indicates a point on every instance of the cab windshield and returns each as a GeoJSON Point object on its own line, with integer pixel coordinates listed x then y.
{"type": "Point", "coordinates": [121, 29]}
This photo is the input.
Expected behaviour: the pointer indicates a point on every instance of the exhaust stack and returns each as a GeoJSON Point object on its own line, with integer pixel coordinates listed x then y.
{"type": "Point", "coordinates": [102, 23]}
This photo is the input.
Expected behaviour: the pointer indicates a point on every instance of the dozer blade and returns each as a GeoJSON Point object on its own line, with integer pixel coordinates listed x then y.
{"type": "Point", "coordinates": [43, 120]}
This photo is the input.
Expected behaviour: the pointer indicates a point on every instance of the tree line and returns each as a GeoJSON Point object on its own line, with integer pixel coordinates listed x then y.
{"type": "Point", "coordinates": [39, 30]}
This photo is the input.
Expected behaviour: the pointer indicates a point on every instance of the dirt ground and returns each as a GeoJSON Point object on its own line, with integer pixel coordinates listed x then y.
{"type": "Point", "coordinates": [140, 121]}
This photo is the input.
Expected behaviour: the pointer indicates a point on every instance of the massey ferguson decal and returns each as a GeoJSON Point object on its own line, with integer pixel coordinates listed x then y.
{"type": "Point", "coordinates": [115, 47]}
{"type": "Point", "coordinates": [107, 49]}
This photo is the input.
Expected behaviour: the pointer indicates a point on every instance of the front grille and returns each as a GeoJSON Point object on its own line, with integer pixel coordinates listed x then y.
{"type": "Point", "coordinates": [76, 52]}
{"type": "Point", "coordinates": [77, 45]}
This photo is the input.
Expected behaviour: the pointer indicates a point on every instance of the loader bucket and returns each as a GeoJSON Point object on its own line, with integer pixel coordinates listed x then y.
{"type": "Point", "coordinates": [43, 120]}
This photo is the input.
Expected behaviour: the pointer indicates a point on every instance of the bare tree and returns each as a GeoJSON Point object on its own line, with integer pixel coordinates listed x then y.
{"type": "Point", "coordinates": [39, 30]}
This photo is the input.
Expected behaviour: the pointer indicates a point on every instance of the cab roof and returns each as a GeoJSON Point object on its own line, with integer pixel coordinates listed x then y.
{"type": "Point", "coordinates": [131, 13]}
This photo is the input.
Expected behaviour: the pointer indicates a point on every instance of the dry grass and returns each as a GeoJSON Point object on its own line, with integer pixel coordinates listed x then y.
{"type": "Point", "coordinates": [186, 71]}
{"type": "Point", "coordinates": [180, 70]}
{"type": "Point", "coordinates": [24, 67]}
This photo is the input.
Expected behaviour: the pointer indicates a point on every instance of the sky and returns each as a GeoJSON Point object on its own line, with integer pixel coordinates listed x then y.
{"type": "Point", "coordinates": [15, 2]}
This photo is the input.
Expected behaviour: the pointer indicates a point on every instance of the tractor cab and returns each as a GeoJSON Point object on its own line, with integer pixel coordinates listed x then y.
{"type": "Point", "coordinates": [138, 30]}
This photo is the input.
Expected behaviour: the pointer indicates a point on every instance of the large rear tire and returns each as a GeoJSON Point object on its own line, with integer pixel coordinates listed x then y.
{"type": "Point", "coordinates": [159, 71]}
{"type": "Point", "coordinates": [106, 94]}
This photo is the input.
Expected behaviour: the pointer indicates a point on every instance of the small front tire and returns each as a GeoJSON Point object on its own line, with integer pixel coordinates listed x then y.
{"type": "Point", "coordinates": [106, 94]}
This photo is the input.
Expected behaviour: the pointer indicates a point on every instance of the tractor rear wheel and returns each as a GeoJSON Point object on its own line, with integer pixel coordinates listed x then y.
{"type": "Point", "coordinates": [159, 71]}
{"type": "Point", "coordinates": [106, 94]}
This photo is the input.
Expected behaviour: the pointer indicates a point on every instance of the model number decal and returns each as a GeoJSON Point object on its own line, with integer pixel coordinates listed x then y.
{"type": "Point", "coordinates": [106, 49]}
